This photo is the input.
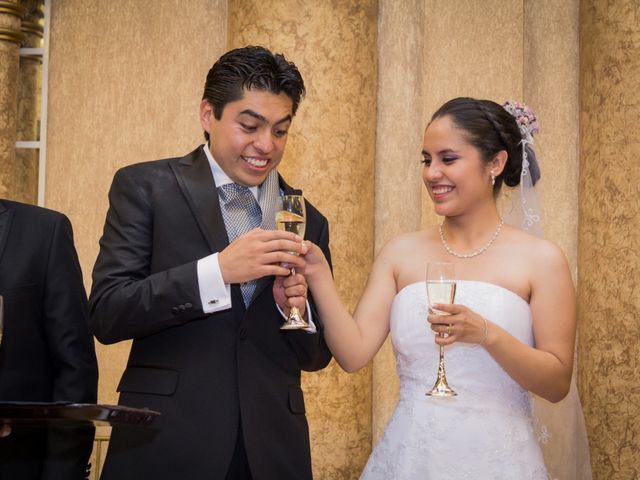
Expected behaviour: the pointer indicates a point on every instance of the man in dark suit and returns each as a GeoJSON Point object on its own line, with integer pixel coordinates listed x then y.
{"type": "Point", "coordinates": [47, 353]}
{"type": "Point", "coordinates": [179, 274]}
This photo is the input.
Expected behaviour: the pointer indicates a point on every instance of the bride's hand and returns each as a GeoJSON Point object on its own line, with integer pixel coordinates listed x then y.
{"type": "Point", "coordinates": [461, 325]}
{"type": "Point", "coordinates": [316, 263]}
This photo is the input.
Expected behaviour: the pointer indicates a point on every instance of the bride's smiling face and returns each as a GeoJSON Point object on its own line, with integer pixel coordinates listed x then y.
{"type": "Point", "coordinates": [456, 176]}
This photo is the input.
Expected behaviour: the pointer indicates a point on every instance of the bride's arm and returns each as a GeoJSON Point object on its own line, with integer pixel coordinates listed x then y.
{"type": "Point", "coordinates": [546, 369]}
{"type": "Point", "coordinates": [354, 341]}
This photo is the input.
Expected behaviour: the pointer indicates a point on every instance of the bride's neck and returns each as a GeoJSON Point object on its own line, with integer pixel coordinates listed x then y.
{"type": "Point", "coordinates": [469, 230]}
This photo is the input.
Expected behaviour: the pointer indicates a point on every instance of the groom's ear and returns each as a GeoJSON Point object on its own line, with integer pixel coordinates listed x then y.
{"type": "Point", "coordinates": [206, 115]}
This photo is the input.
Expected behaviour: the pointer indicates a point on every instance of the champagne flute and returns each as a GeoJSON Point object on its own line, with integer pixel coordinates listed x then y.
{"type": "Point", "coordinates": [291, 217]}
{"type": "Point", "coordinates": [441, 288]}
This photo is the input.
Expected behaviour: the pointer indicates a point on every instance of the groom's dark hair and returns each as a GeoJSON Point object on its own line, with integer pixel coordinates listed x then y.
{"type": "Point", "coordinates": [251, 68]}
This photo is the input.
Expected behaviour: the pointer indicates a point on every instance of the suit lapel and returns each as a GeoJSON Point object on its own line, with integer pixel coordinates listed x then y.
{"type": "Point", "coordinates": [5, 223]}
{"type": "Point", "coordinates": [196, 181]}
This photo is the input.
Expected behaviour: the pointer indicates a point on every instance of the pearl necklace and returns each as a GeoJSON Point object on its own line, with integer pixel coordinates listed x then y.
{"type": "Point", "coordinates": [472, 254]}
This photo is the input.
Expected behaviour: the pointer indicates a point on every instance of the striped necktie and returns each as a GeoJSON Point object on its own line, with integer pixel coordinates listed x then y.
{"type": "Point", "coordinates": [241, 213]}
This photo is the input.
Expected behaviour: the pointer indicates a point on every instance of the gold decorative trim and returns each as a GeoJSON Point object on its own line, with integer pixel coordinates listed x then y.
{"type": "Point", "coordinates": [32, 28]}
{"type": "Point", "coordinates": [12, 9]}
{"type": "Point", "coordinates": [10, 35]}
{"type": "Point", "coordinates": [35, 58]}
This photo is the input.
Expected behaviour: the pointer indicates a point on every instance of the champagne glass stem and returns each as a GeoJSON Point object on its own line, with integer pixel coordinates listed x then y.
{"type": "Point", "coordinates": [441, 387]}
{"type": "Point", "coordinates": [294, 320]}
{"type": "Point", "coordinates": [294, 312]}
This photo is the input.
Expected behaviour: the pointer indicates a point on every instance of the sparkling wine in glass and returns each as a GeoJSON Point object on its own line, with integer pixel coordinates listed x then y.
{"type": "Point", "coordinates": [291, 217]}
{"type": "Point", "coordinates": [441, 288]}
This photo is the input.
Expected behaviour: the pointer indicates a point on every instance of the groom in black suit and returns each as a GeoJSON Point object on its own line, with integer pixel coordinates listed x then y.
{"type": "Point", "coordinates": [183, 272]}
{"type": "Point", "coordinates": [47, 352]}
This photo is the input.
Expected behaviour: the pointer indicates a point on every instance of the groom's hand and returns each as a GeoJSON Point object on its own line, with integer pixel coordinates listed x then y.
{"type": "Point", "coordinates": [260, 253]}
{"type": "Point", "coordinates": [291, 291]}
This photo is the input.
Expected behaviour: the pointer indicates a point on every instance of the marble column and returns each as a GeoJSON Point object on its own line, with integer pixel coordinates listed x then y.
{"type": "Point", "coordinates": [25, 169]}
{"type": "Point", "coordinates": [398, 180]}
{"type": "Point", "coordinates": [608, 254]}
{"type": "Point", "coordinates": [330, 156]}
{"type": "Point", "coordinates": [551, 74]}
{"type": "Point", "coordinates": [11, 14]}
{"type": "Point", "coordinates": [484, 61]}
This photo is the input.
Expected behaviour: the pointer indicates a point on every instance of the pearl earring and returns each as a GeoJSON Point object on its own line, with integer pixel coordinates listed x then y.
{"type": "Point", "coordinates": [493, 178]}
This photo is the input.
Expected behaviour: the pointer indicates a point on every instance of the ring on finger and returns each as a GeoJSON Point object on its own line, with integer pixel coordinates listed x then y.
{"type": "Point", "coordinates": [448, 331]}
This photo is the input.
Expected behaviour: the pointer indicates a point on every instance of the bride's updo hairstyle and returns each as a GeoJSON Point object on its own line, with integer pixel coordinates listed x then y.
{"type": "Point", "coordinates": [490, 128]}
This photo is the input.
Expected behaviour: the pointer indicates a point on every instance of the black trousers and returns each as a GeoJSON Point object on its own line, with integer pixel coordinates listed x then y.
{"type": "Point", "coordinates": [239, 467]}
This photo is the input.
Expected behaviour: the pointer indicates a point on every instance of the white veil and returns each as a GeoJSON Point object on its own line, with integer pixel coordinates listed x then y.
{"type": "Point", "coordinates": [560, 427]}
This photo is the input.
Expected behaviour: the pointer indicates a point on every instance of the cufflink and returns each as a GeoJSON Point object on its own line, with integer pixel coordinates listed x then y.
{"type": "Point", "coordinates": [213, 302]}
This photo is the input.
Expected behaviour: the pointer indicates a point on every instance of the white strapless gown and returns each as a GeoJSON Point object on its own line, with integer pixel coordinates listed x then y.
{"type": "Point", "coordinates": [486, 432]}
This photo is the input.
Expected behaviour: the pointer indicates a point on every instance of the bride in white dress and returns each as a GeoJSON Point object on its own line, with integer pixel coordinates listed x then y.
{"type": "Point", "coordinates": [511, 330]}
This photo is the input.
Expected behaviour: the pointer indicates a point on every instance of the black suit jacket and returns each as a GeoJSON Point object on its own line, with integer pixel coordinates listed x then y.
{"type": "Point", "coordinates": [206, 373]}
{"type": "Point", "coordinates": [47, 352]}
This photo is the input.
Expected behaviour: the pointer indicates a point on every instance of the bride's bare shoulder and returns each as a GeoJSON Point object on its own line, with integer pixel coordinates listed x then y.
{"type": "Point", "coordinates": [541, 252]}
{"type": "Point", "coordinates": [409, 242]}
{"type": "Point", "coordinates": [404, 252]}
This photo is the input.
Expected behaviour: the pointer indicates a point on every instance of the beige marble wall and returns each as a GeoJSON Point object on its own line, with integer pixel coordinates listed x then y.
{"type": "Point", "coordinates": [609, 259]}
{"type": "Point", "coordinates": [330, 156]}
{"type": "Point", "coordinates": [10, 38]}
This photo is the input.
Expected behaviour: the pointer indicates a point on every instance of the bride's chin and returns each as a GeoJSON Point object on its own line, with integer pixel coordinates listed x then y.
{"type": "Point", "coordinates": [442, 211]}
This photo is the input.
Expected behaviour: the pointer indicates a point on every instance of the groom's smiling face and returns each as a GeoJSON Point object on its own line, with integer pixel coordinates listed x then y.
{"type": "Point", "coordinates": [249, 139]}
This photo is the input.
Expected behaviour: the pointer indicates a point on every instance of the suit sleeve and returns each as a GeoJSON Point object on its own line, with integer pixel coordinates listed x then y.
{"type": "Point", "coordinates": [72, 354]}
{"type": "Point", "coordinates": [127, 301]}
{"type": "Point", "coordinates": [311, 349]}
{"type": "Point", "coordinates": [65, 310]}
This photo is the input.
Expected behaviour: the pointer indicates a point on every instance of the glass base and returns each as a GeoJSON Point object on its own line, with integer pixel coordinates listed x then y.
{"type": "Point", "coordinates": [295, 321]}
{"type": "Point", "coordinates": [441, 393]}
{"type": "Point", "coordinates": [441, 389]}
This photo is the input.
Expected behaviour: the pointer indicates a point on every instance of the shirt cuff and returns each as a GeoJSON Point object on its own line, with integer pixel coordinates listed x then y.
{"type": "Point", "coordinates": [312, 326]}
{"type": "Point", "coordinates": [215, 295]}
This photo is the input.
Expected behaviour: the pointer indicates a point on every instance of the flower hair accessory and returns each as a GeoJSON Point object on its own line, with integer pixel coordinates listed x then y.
{"type": "Point", "coordinates": [525, 118]}
{"type": "Point", "coordinates": [525, 214]}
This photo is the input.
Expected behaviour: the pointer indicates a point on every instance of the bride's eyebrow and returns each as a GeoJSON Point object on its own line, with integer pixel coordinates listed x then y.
{"type": "Point", "coordinates": [447, 151]}
{"type": "Point", "coordinates": [441, 152]}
